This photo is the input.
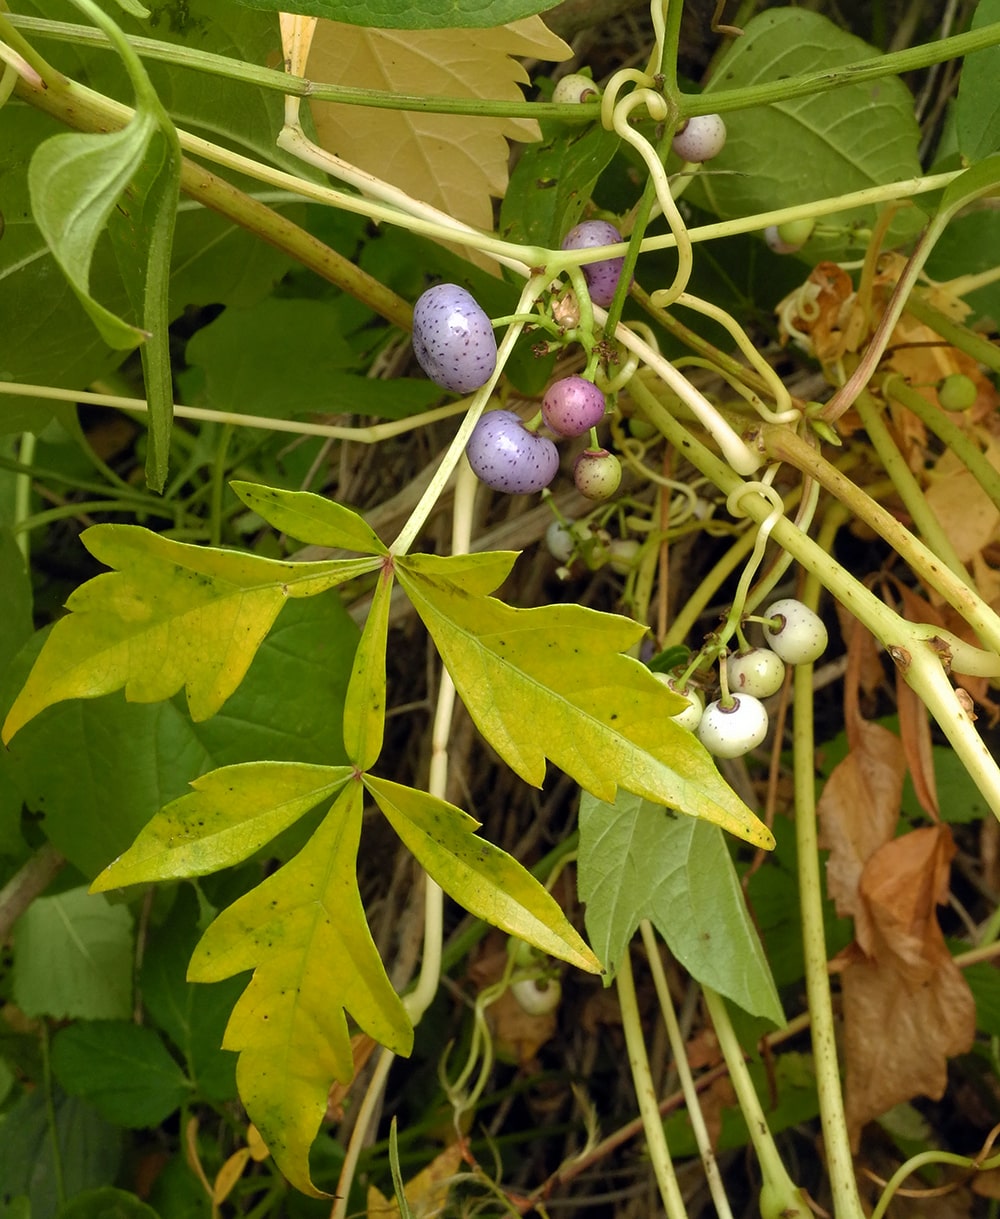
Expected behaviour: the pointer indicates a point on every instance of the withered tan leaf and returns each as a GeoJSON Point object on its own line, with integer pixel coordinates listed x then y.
{"type": "Point", "coordinates": [454, 162]}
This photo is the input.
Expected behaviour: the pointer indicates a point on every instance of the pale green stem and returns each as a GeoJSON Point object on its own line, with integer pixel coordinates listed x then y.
{"type": "Point", "coordinates": [954, 437]}
{"type": "Point", "coordinates": [837, 1149]}
{"type": "Point", "coordinates": [22, 494]}
{"type": "Point", "coordinates": [362, 1124]}
{"type": "Point", "coordinates": [373, 434]}
{"type": "Point", "coordinates": [649, 1109]}
{"type": "Point", "coordinates": [783, 445]}
{"type": "Point", "coordinates": [683, 1069]}
{"type": "Point", "coordinates": [415, 523]}
{"type": "Point", "coordinates": [924, 1158]}
{"type": "Point", "coordinates": [783, 1197]}
{"type": "Point", "coordinates": [910, 491]}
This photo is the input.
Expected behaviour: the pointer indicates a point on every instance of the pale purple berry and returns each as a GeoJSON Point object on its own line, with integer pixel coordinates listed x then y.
{"type": "Point", "coordinates": [602, 277]}
{"type": "Point", "coordinates": [701, 138]}
{"type": "Point", "coordinates": [453, 339]}
{"type": "Point", "coordinates": [572, 406]}
{"type": "Point", "coordinates": [597, 474]}
{"type": "Point", "coordinates": [508, 457]}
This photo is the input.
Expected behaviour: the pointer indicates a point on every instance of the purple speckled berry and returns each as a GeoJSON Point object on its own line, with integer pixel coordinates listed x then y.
{"type": "Point", "coordinates": [597, 474]}
{"type": "Point", "coordinates": [602, 277]}
{"type": "Point", "coordinates": [453, 339]}
{"type": "Point", "coordinates": [506, 456]}
{"type": "Point", "coordinates": [701, 138]}
{"type": "Point", "coordinates": [572, 406]}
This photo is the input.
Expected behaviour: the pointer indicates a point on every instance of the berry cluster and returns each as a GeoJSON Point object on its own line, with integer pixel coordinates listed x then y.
{"type": "Point", "coordinates": [731, 726]}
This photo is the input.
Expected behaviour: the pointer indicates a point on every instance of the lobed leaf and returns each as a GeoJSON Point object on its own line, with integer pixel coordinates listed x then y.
{"type": "Point", "coordinates": [310, 518]}
{"type": "Point", "coordinates": [173, 615]}
{"type": "Point", "coordinates": [552, 683]}
{"type": "Point", "coordinates": [364, 706]}
{"type": "Point", "coordinates": [477, 574]}
{"type": "Point", "coordinates": [304, 934]}
{"type": "Point", "coordinates": [638, 860]}
{"type": "Point", "coordinates": [482, 878]}
{"type": "Point", "coordinates": [232, 812]}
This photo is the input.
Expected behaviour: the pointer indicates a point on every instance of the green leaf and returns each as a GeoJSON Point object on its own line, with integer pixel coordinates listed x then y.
{"type": "Point", "coordinates": [806, 148]}
{"type": "Point", "coordinates": [73, 958]}
{"type": "Point", "coordinates": [193, 1015]}
{"type": "Point", "coordinates": [310, 518]}
{"type": "Point", "coordinates": [977, 107]}
{"type": "Point", "coordinates": [552, 683]}
{"type": "Point", "coordinates": [51, 1145]}
{"type": "Point", "coordinates": [106, 1203]}
{"type": "Point", "coordinates": [123, 1069]}
{"type": "Point", "coordinates": [553, 181]}
{"type": "Point", "coordinates": [364, 708]}
{"type": "Point", "coordinates": [142, 232]}
{"type": "Point", "coordinates": [75, 180]}
{"type": "Point", "coordinates": [231, 813]}
{"type": "Point", "coordinates": [303, 932]}
{"type": "Point", "coordinates": [482, 878]}
{"type": "Point", "coordinates": [96, 771]}
{"type": "Point", "coordinates": [476, 574]}
{"type": "Point", "coordinates": [172, 615]}
{"type": "Point", "coordinates": [411, 14]}
{"type": "Point", "coordinates": [966, 247]}
{"type": "Point", "coordinates": [638, 860]}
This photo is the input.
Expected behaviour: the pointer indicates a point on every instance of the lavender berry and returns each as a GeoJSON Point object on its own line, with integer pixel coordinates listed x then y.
{"type": "Point", "coordinates": [453, 339]}
{"type": "Point", "coordinates": [508, 457]}
{"type": "Point", "coordinates": [572, 406]}
{"type": "Point", "coordinates": [602, 277]}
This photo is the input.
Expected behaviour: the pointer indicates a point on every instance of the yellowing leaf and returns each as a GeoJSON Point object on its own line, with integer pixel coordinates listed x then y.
{"type": "Point", "coordinates": [481, 877]}
{"type": "Point", "coordinates": [552, 683]}
{"type": "Point", "coordinates": [364, 706]}
{"type": "Point", "coordinates": [454, 162]}
{"type": "Point", "coordinates": [303, 932]}
{"type": "Point", "coordinates": [173, 615]}
{"type": "Point", "coordinates": [426, 1193]}
{"type": "Point", "coordinates": [231, 813]}
{"type": "Point", "coordinates": [310, 518]}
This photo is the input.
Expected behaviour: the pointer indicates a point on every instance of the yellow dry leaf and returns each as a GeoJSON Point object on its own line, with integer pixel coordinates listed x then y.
{"type": "Point", "coordinates": [426, 1193]}
{"type": "Point", "coordinates": [963, 509]}
{"type": "Point", "coordinates": [454, 162]}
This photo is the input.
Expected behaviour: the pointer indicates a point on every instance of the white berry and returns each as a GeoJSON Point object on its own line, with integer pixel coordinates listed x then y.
{"type": "Point", "coordinates": [702, 138]}
{"type": "Point", "coordinates": [537, 996]}
{"type": "Point", "coordinates": [690, 717]}
{"type": "Point", "coordinates": [574, 89]}
{"type": "Point", "coordinates": [758, 671]}
{"type": "Point", "coordinates": [799, 636]}
{"type": "Point", "coordinates": [733, 730]}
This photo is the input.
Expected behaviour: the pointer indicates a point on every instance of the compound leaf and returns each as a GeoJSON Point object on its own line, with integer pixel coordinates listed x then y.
{"type": "Point", "coordinates": [232, 812]}
{"type": "Point", "coordinates": [637, 860]}
{"type": "Point", "coordinates": [482, 878]}
{"type": "Point", "coordinates": [172, 615]}
{"type": "Point", "coordinates": [552, 683]}
{"type": "Point", "coordinates": [303, 932]}
{"type": "Point", "coordinates": [364, 706]}
{"type": "Point", "coordinates": [310, 518]}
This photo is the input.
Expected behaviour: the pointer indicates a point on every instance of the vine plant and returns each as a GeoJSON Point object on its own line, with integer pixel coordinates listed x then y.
{"type": "Point", "coordinates": [557, 683]}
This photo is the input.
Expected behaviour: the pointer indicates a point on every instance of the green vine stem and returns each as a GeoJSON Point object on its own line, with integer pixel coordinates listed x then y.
{"type": "Point", "coordinates": [952, 436]}
{"type": "Point", "coordinates": [649, 1109]}
{"type": "Point", "coordinates": [683, 1068]}
{"type": "Point", "coordinates": [783, 445]}
{"type": "Point", "coordinates": [721, 101]}
{"type": "Point", "coordinates": [924, 1159]}
{"type": "Point", "coordinates": [779, 1195]}
{"type": "Point", "coordinates": [975, 345]}
{"type": "Point", "coordinates": [910, 491]}
{"type": "Point", "coordinates": [839, 1161]}
{"type": "Point", "coordinates": [919, 650]}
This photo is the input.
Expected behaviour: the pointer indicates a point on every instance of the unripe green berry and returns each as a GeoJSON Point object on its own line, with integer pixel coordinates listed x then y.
{"type": "Point", "coordinates": [957, 392]}
{"type": "Point", "coordinates": [797, 232]}
{"type": "Point", "coordinates": [597, 474]}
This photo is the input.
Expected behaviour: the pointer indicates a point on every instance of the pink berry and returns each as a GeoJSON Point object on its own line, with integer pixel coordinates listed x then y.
{"type": "Point", "coordinates": [597, 474]}
{"type": "Point", "coordinates": [602, 277]}
{"type": "Point", "coordinates": [453, 339]}
{"type": "Point", "coordinates": [572, 406]}
{"type": "Point", "coordinates": [508, 457]}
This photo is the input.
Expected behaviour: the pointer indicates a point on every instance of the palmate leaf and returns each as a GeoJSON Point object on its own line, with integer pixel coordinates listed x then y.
{"type": "Point", "coordinates": [552, 683]}
{"type": "Point", "coordinates": [481, 877]}
{"type": "Point", "coordinates": [172, 615]}
{"type": "Point", "coordinates": [232, 812]}
{"type": "Point", "coordinates": [303, 932]}
{"type": "Point", "coordinates": [364, 706]}
{"type": "Point", "coordinates": [310, 518]}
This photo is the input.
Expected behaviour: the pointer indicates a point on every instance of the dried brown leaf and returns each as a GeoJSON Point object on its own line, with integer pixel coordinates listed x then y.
{"type": "Point", "coordinates": [454, 162]}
